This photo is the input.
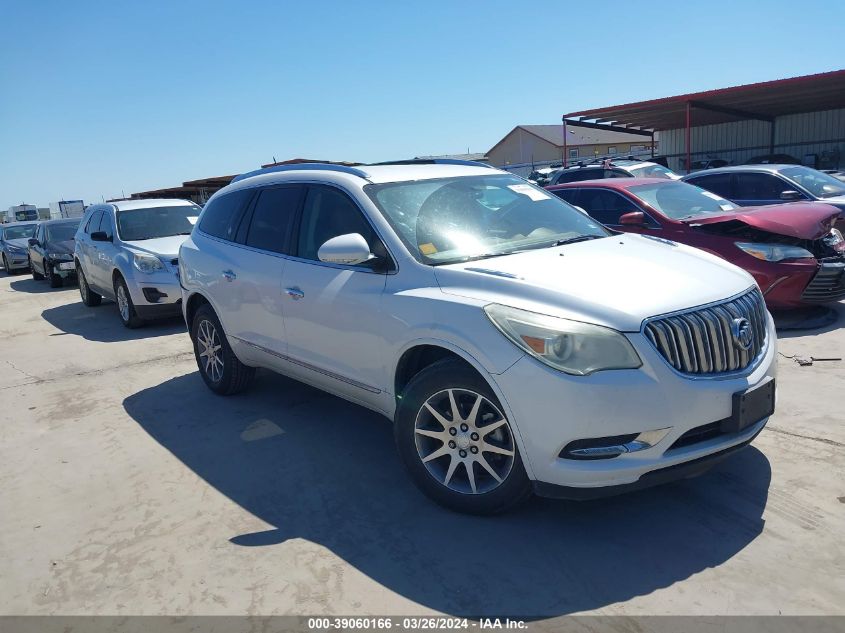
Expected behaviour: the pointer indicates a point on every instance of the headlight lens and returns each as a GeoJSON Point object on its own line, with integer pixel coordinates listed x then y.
{"type": "Point", "coordinates": [60, 257]}
{"type": "Point", "coordinates": [835, 240]}
{"type": "Point", "coordinates": [569, 346]}
{"type": "Point", "coordinates": [774, 252]}
{"type": "Point", "coordinates": [16, 249]}
{"type": "Point", "coordinates": [147, 263]}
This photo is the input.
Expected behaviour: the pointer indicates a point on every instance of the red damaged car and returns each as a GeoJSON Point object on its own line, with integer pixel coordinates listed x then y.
{"type": "Point", "coordinates": [792, 250]}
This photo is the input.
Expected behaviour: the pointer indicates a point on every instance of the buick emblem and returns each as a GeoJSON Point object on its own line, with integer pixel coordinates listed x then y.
{"type": "Point", "coordinates": [743, 335]}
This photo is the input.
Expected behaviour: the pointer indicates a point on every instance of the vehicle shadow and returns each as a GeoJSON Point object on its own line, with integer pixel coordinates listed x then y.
{"type": "Point", "coordinates": [318, 468]}
{"type": "Point", "coordinates": [103, 324]}
{"type": "Point", "coordinates": [29, 285]}
{"type": "Point", "coordinates": [810, 321]}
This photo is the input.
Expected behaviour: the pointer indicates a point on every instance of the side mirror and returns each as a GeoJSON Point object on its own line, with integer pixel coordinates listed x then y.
{"type": "Point", "coordinates": [634, 218]}
{"type": "Point", "coordinates": [349, 249]}
{"type": "Point", "coordinates": [32, 241]}
{"type": "Point", "coordinates": [790, 194]}
{"type": "Point", "coordinates": [100, 236]}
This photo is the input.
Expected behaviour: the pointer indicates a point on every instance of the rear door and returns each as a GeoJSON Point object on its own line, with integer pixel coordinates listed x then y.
{"type": "Point", "coordinates": [720, 184]}
{"type": "Point", "coordinates": [255, 313]}
{"type": "Point", "coordinates": [332, 311]}
{"type": "Point", "coordinates": [85, 247]}
{"type": "Point", "coordinates": [103, 256]}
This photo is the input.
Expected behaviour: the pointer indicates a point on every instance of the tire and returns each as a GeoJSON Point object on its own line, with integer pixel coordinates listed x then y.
{"type": "Point", "coordinates": [125, 308]}
{"type": "Point", "coordinates": [52, 277]}
{"type": "Point", "coordinates": [446, 478]}
{"type": "Point", "coordinates": [89, 297]}
{"type": "Point", "coordinates": [36, 276]}
{"type": "Point", "coordinates": [206, 332]}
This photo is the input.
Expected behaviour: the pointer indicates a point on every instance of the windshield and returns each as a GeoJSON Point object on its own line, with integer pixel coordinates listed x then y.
{"type": "Point", "coordinates": [680, 200]}
{"type": "Point", "coordinates": [818, 183]}
{"type": "Point", "coordinates": [652, 170]}
{"type": "Point", "coordinates": [18, 232]}
{"type": "Point", "coordinates": [451, 220]}
{"type": "Point", "coordinates": [61, 232]}
{"type": "Point", "coordinates": [148, 224]}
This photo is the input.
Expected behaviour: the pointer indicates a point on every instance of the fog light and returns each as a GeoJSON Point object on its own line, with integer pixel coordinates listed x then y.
{"type": "Point", "coordinates": [612, 446]}
{"type": "Point", "coordinates": [153, 295]}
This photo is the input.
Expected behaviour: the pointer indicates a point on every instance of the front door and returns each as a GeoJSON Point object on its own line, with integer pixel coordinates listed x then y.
{"type": "Point", "coordinates": [332, 317]}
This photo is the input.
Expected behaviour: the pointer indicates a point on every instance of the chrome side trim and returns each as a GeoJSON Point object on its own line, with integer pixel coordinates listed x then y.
{"type": "Point", "coordinates": [309, 366]}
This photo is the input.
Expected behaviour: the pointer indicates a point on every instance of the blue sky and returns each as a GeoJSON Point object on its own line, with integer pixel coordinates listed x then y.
{"type": "Point", "coordinates": [102, 97]}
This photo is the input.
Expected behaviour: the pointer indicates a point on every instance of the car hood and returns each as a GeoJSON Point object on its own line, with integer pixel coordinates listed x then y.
{"type": "Point", "coordinates": [66, 247]}
{"type": "Point", "coordinates": [21, 242]}
{"type": "Point", "coordinates": [616, 281]}
{"type": "Point", "coordinates": [167, 247]}
{"type": "Point", "coordinates": [804, 220]}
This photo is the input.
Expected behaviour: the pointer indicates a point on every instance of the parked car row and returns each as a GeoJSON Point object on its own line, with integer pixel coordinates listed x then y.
{"type": "Point", "coordinates": [588, 339]}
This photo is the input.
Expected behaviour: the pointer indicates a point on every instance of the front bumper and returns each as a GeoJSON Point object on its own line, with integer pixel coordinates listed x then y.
{"type": "Point", "coordinates": [157, 295]}
{"type": "Point", "coordinates": [17, 260]}
{"type": "Point", "coordinates": [550, 409]}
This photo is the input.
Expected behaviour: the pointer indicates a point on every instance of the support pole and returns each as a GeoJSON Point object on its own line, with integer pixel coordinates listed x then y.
{"type": "Point", "coordinates": [565, 150]}
{"type": "Point", "coordinates": [689, 151]}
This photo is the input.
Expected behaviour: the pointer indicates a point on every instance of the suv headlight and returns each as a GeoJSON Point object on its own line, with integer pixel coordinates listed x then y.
{"type": "Point", "coordinates": [16, 249]}
{"type": "Point", "coordinates": [569, 346]}
{"type": "Point", "coordinates": [147, 263]}
{"type": "Point", "coordinates": [60, 257]}
{"type": "Point", "coordinates": [773, 252]}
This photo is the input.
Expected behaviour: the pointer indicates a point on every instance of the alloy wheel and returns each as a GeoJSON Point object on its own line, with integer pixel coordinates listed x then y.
{"type": "Point", "coordinates": [83, 286]}
{"type": "Point", "coordinates": [464, 441]}
{"type": "Point", "coordinates": [210, 350]}
{"type": "Point", "coordinates": [123, 303]}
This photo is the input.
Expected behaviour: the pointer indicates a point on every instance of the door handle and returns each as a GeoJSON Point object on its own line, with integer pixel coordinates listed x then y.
{"type": "Point", "coordinates": [229, 275]}
{"type": "Point", "coordinates": [294, 293]}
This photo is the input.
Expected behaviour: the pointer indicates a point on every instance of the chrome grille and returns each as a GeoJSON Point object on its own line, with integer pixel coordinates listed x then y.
{"type": "Point", "coordinates": [700, 342]}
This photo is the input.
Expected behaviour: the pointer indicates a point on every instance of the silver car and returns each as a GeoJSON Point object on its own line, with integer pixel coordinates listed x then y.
{"type": "Point", "coordinates": [127, 251]}
{"type": "Point", "coordinates": [14, 244]}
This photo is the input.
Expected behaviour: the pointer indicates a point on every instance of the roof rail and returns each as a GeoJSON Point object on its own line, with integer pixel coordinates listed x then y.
{"type": "Point", "coordinates": [304, 167]}
{"type": "Point", "coordinates": [435, 161]}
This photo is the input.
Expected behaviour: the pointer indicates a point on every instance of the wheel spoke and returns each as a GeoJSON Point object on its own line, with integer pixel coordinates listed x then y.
{"type": "Point", "coordinates": [486, 466]}
{"type": "Point", "coordinates": [486, 430]}
{"type": "Point", "coordinates": [471, 476]}
{"type": "Point", "coordinates": [437, 435]}
{"type": "Point", "coordinates": [453, 465]}
{"type": "Point", "coordinates": [440, 452]}
{"type": "Point", "coordinates": [473, 415]}
{"type": "Point", "coordinates": [443, 421]}
{"type": "Point", "coordinates": [490, 448]}
{"type": "Point", "coordinates": [456, 415]}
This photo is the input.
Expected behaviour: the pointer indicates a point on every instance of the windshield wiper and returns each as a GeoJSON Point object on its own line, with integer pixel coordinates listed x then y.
{"type": "Point", "coordinates": [580, 238]}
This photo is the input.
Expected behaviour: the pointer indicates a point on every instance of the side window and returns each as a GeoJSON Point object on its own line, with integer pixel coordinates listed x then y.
{"type": "Point", "coordinates": [94, 222]}
{"type": "Point", "coordinates": [106, 225]}
{"type": "Point", "coordinates": [220, 217]}
{"type": "Point", "coordinates": [567, 195]}
{"type": "Point", "coordinates": [605, 206]}
{"type": "Point", "coordinates": [273, 217]}
{"type": "Point", "coordinates": [328, 213]}
{"type": "Point", "coordinates": [717, 183]}
{"type": "Point", "coordinates": [759, 187]}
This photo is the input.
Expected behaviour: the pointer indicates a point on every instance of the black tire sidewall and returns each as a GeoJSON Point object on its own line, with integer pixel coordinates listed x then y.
{"type": "Point", "coordinates": [133, 321]}
{"type": "Point", "coordinates": [451, 374]}
{"type": "Point", "coordinates": [225, 385]}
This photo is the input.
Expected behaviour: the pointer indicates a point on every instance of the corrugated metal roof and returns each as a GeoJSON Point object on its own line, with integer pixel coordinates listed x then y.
{"type": "Point", "coordinates": [808, 93]}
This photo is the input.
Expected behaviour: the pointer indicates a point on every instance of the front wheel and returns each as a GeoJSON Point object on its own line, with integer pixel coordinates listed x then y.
{"type": "Point", "coordinates": [456, 442]}
{"type": "Point", "coordinates": [35, 275]}
{"type": "Point", "coordinates": [221, 370]}
{"type": "Point", "coordinates": [89, 297]}
{"type": "Point", "coordinates": [125, 308]}
{"type": "Point", "coordinates": [54, 279]}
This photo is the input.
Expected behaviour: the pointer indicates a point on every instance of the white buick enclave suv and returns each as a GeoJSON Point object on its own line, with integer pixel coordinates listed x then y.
{"type": "Point", "coordinates": [515, 343]}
